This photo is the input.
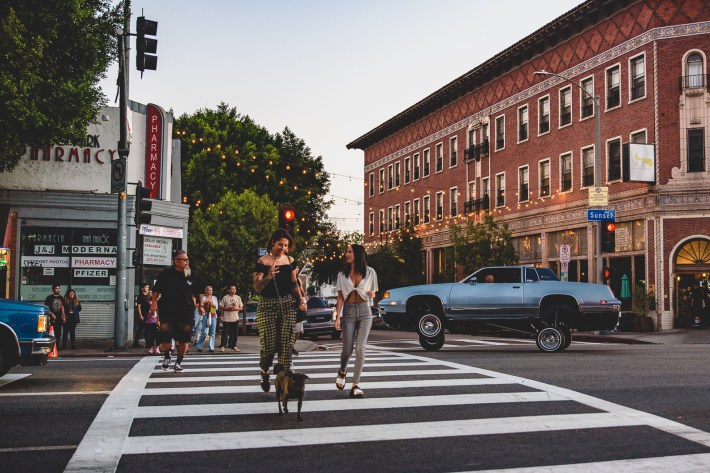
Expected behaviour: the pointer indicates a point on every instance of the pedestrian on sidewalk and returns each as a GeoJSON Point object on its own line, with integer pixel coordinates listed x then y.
{"type": "Point", "coordinates": [231, 305]}
{"type": "Point", "coordinates": [173, 299]}
{"type": "Point", "coordinates": [356, 286]}
{"type": "Point", "coordinates": [275, 279]}
{"type": "Point", "coordinates": [141, 312]}
{"type": "Point", "coordinates": [72, 307]}
{"type": "Point", "coordinates": [208, 313]}
{"type": "Point", "coordinates": [55, 302]}
{"type": "Point", "coordinates": [151, 329]}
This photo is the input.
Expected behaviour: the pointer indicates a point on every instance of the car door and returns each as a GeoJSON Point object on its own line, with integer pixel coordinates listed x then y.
{"type": "Point", "coordinates": [477, 299]}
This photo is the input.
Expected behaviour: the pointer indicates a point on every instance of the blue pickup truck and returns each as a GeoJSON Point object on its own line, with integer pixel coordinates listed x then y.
{"type": "Point", "coordinates": [24, 334]}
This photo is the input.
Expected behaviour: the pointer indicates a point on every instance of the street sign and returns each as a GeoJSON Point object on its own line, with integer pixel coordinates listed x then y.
{"type": "Point", "coordinates": [564, 271]}
{"type": "Point", "coordinates": [564, 253]}
{"type": "Point", "coordinates": [598, 196]}
{"type": "Point", "coordinates": [597, 215]}
{"type": "Point", "coordinates": [118, 175]}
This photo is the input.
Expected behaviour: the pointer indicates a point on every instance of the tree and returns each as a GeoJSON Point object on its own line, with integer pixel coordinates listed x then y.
{"type": "Point", "coordinates": [482, 244]}
{"type": "Point", "coordinates": [52, 57]}
{"type": "Point", "coordinates": [399, 263]}
{"type": "Point", "coordinates": [327, 253]}
{"type": "Point", "coordinates": [225, 237]}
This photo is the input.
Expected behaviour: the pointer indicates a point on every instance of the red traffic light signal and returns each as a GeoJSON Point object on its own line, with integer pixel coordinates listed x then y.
{"type": "Point", "coordinates": [607, 273]}
{"type": "Point", "coordinates": [610, 227]}
{"type": "Point", "coordinates": [287, 218]}
{"type": "Point", "coordinates": [608, 236]}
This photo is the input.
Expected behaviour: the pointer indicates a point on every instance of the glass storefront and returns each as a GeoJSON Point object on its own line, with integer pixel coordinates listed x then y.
{"type": "Point", "coordinates": [81, 258]}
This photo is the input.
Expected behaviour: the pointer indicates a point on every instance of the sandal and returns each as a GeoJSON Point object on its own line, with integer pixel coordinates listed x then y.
{"type": "Point", "coordinates": [340, 380]}
{"type": "Point", "coordinates": [265, 385]}
{"type": "Point", "coordinates": [356, 392]}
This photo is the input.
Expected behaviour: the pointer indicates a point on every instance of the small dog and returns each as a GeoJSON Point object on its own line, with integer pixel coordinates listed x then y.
{"type": "Point", "coordinates": [289, 385]}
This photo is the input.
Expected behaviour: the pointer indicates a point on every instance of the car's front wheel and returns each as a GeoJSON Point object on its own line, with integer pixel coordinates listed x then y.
{"type": "Point", "coordinates": [4, 363]}
{"type": "Point", "coordinates": [432, 343]}
{"type": "Point", "coordinates": [430, 325]}
{"type": "Point", "coordinates": [551, 339]}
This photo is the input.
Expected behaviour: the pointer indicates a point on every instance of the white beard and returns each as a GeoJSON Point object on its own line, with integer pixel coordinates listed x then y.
{"type": "Point", "coordinates": [187, 272]}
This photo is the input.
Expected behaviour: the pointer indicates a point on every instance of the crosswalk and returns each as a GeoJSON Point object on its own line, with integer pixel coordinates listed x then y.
{"type": "Point", "coordinates": [217, 409]}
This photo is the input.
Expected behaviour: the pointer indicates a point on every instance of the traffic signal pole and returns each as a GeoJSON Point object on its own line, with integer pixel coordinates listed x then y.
{"type": "Point", "coordinates": [121, 308]}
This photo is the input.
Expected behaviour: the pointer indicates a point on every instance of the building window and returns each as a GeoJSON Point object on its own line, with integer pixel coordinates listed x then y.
{"type": "Point", "coordinates": [500, 190]}
{"type": "Point", "coordinates": [587, 98]}
{"type": "Point", "coordinates": [694, 70]}
{"type": "Point", "coordinates": [453, 202]}
{"type": "Point", "coordinates": [439, 157]}
{"type": "Point", "coordinates": [396, 217]}
{"type": "Point", "coordinates": [382, 220]}
{"type": "Point", "coordinates": [471, 190]}
{"type": "Point", "coordinates": [407, 170]}
{"type": "Point", "coordinates": [696, 149]}
{"type": "Point", "coordinates": [485, 187]}
{"type": "Point", "coordinates": [416, 211]}
{"type": "Point", "coordinates": [426, 210]}
{"type": "Point", "coordinates": [587, 167]}
{"type": "Point", "coordinates": [484, 132]}
{"type": "Point", "coordinates": [639, 137]}
{"type": "Point", "coordinates": [523, 185]}
{"type": "Point", "coordinates": [523, 123]}
{"type": "Point", "coordinates": [407, 214]}
{"type": "Point", "coordinates": [390, 177]}
{"type": "Point", "coordinates": [565, 106]}
{"type": "Point", "coordinates": [614, 157]}
{"type": "Point", "coordinates": [613, 87]}
{"type": "Point", "coordinates": [427, 163]}
{"type": "Point", "coordinates": [382, 180]}
{"type": "Point", "coordinates": [566, 172]}
{"type": "Point", "coordinates": [453, 152]}
{"type": "Point", "coordinates": [371, 184]}
{"type": "Point", "coordinates": [439, 205]}
{"type": "Point", "coordinates": [416, 167]}
{"type": "Point", "coordinates": [543, 108]}
{"type": "Point", "coordinates": [390, 219]}
{"type": "Point", "coordinates": [544, 178]}
{"type": "Point", "coordinates": [500, 132]}
{"type": "Point", "coordinates": [637, 80]}
{"type": "Point", "coordinates": [371, 223]}
{"type": "Point", "coordinates": [396, 173]}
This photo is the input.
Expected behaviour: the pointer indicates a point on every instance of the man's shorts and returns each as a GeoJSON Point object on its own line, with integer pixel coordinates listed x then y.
{"type": "Point", "coordinates": [180, 330]}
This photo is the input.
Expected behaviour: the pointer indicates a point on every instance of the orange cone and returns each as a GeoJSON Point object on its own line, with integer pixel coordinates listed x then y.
{"type": "Point", "coordinates": [53, 353]}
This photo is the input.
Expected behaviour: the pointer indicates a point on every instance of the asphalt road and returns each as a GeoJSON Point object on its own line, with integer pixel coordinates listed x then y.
{"type": "Point", "coordinates": [478, 404]}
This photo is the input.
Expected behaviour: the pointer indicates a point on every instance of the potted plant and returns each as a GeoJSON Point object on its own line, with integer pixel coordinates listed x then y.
{"type": "Point", "coordinates": [642, 303]}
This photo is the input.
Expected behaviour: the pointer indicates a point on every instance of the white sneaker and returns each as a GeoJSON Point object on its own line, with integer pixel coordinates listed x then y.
{"type": "Point", "coordinates": [177, 367]}
{"type": "Point", "coordinates": [222, 349]}
{"type": "Point", "coordinates": [166, 364]}
{"type": "Point", "coordinates": [236, 349]}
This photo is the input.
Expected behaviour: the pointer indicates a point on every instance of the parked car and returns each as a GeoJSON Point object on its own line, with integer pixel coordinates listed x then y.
{"type": "Point", "coordinates": [524, 299]}
{"type": "Point", "coordinates": [250, 314]}
{"type": "Point", "coordinates": [24, 334]}
{"type": "Point", "coordinates": [320, 320]}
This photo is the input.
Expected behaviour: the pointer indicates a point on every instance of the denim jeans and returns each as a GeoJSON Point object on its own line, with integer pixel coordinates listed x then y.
{"type": "Point", "coordinates": [356, 322]}
{"type": "Point", "coordinates": [203, 333]}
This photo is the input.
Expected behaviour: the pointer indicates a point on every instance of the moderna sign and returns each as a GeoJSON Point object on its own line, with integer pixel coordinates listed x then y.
{"type": "Point", "coordinates": [155, 118]}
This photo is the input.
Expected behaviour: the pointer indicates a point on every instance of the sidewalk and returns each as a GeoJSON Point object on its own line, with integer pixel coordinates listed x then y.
{"type": "Point", "coordinates": [682, 336]}
{"type": "Point", "coordinates": [247, 344]}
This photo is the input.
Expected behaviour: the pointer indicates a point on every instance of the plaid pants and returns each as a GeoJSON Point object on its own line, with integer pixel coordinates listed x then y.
{"type": "Point", "coordinates": [275, 317]}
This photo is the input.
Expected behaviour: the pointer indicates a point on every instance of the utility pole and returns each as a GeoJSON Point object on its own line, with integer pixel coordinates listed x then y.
{"type": "Point", "coordinates": [121, 309]}
{"type": "Point", "coordinates": [597, 167]}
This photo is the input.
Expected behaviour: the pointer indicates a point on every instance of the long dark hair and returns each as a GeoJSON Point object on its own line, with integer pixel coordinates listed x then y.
{"type": "Point", "coordinates": [359, 261]}
{"type": "Point", "coordinates": [277, 235]}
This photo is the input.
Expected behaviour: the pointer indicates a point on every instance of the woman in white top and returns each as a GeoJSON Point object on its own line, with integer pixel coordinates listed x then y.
{"type": "Point", "coordinates": [208, 312]}
{"type": "Point", "coordinates": [356, 286]}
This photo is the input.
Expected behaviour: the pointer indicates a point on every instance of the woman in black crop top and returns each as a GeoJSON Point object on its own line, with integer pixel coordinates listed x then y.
{"type": "Point", "coordinates": [275, 279]}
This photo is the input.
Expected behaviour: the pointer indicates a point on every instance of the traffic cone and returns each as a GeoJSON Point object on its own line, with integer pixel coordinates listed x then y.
{"type": "Point", "coordinates": [53, 353]}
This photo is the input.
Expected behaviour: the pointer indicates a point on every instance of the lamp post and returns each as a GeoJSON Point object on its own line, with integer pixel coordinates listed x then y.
{"type": "Point", "coordinates": [597, 162]}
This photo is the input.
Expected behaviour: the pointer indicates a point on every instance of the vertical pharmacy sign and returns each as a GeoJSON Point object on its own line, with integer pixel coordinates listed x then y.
{"type": "Point", "coordinates": [155, 118]}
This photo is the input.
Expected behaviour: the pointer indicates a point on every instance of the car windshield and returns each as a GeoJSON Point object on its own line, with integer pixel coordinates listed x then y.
{"type": "Point", "coordinates": [317, 303]}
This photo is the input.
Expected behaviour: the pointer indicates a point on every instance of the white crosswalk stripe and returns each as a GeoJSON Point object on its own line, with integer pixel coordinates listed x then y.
{"type": "Point", "coordinates": [109, 438]}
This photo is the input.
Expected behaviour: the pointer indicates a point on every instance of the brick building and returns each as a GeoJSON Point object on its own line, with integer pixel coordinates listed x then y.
{"type": "Point", "coordinates": [520, 145]}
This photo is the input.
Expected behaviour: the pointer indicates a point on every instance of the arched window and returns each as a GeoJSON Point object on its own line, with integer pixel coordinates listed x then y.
{"type": "Point", "coordinates": [694, 71]}
{"type": "Point", "coordinates": [694, 252]}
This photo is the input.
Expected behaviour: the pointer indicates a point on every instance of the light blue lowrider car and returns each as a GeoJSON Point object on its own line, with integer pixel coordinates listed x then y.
{"type": "Point", "coordinates": [527, 299]}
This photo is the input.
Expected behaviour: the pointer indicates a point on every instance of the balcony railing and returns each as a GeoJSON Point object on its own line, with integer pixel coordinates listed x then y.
{"type": "Point", "coordinates": [477, 205]}
{"type": "Point", "coordinates": [696, 81]}
{"type": "Point", "coordinates": [476, 151]}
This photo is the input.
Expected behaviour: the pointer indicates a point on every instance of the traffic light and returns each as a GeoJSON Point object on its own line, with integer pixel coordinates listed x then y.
{"type": "Point", "coordinates": [608, 236]}
{"type": "Point", "coordinates": [146, 47]}
{"type": "Point", "coordinates": [136, 259]}
{"type": "Point", "coordinates": [287, 218]}
{"type": "Point", "coordinates": [607, 275]}
{"type": "Point", "coordinates": [144, 204]}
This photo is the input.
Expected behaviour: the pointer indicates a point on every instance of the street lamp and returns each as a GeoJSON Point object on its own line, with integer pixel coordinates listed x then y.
{"type": "Point", "coordinates": [597, 162]}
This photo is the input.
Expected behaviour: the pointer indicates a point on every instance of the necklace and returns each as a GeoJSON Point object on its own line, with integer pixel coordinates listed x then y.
{"type": "Point", "coordinates": [279, 259]}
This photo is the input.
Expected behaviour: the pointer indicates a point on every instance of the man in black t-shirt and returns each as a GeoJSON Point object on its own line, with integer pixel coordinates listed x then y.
{"type": "Point", "coordinates": [173, 299]}
{"type": "Point", "coordinates": [141, 312]}
{"type": "Point", "coordinates": [55, 302]}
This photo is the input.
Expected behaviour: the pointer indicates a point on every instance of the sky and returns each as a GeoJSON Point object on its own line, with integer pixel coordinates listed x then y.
{"type": "Point", "coordinates": [329, 70]}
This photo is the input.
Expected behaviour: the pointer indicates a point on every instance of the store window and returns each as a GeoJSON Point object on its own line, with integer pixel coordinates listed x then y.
{"type": "Point", "coordinates": [83, 259]}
